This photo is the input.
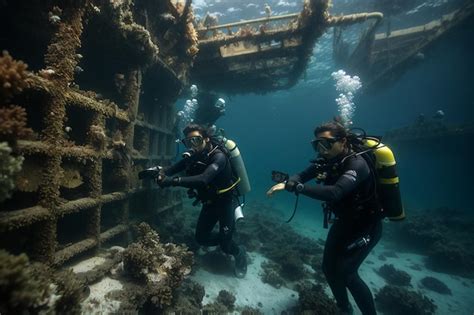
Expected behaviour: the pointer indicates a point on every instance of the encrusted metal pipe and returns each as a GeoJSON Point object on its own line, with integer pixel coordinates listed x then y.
{"type": "Point", "coordinates": [353, 19]}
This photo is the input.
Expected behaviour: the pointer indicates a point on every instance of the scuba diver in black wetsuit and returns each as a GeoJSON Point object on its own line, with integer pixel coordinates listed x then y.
{"type": "Point", "coordinates": [349, 192]}
{"type": "Point", "coordinates": [210, 178]}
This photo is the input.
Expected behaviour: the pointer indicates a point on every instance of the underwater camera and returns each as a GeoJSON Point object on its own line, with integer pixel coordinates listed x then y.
{"type": "Point", "coordinates": [279, 177]}
{"type": "Point", "coordinates": [150, 173]}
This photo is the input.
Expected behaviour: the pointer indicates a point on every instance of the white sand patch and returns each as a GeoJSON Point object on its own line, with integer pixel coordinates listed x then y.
{"type": "Point", "coordinates": [249, 291]}
{"type": "Point", "coordinates": [88, 264]}
{"type": "Point", "coordinates": [97, 303]}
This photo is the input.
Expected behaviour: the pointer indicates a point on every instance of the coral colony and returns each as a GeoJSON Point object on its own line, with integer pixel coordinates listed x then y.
{"type": "Point", "coordinates": [51, 129]}
{"type": "Point", "coordinates": [348, 86]}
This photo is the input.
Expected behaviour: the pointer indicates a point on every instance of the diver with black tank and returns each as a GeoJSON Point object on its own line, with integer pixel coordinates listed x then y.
{"type": "Point", "coordinates": [352, 203]}
{"type": "Point", "coordinates": [210, 178]}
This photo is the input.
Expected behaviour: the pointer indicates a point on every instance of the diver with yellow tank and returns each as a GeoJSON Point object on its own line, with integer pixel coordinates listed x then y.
{"type": "Point", "coordinates": [360, 188]}
{"type": "Point", "coordinates": [215, 175]}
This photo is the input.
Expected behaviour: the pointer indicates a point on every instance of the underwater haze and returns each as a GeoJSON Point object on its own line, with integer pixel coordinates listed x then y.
{"type": "Point", "coordinates": [274, 130]}
{"type": "Point", "coordinates": [109, 205]}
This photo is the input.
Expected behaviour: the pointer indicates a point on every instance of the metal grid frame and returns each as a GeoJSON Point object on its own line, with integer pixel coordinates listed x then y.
{"type": "Point", "coordinates": [45, 216]}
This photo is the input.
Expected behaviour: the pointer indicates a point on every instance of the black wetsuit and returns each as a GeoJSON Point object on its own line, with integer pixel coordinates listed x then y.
{"type": "Point", "coordinates": [349, 193]}
{"type": "Point", "coordinates": [206, 173]}
{"type": "Point", "coordinates": [207, 113]}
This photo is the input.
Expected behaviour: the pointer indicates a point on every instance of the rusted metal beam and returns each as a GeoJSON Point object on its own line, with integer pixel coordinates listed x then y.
{"type": "Point", "coordinates": [47, 149]}
{"type": "Point", "coordinates": [12, 220]}
{"type": "Point", "coordinates": [113, 232]}
{"type": "Point", "coordinates": [353, 18]}
{"type": "Point", "coordinates": [60, 257]}
{"type": "Point", "coordinates": [87, 203]}
{"type": "Point", "coordinates": [116, 196]}
{"type": "Point", "coordinates": [105, 107]}
{"type": "Point", "coordinates": [255, 21]}
{"type": "Point", "coordinates": [78, 205]}
{"type": "Point", "coordinates": [79, 97]}
{"type": "Point", "coordinates": [256, 38]}
{"type": "Point", "coordinates": [146, 125]}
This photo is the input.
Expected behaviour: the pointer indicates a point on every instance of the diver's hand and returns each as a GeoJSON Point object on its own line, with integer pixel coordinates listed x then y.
{"type": "Point", "coordinates": [160, 178]}
{"type": "Point", "coordinates": [166, 181]}
{"type": "Point", "coordinates": [291, 185]}
{"type": "Point", "coordinates": [275, 188]}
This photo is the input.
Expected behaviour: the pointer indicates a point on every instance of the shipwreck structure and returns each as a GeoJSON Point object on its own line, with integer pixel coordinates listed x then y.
{"type": "Point", "coordinates": [381, 58]}
{"type": "Point", "coordinates": [265, 54]}
{"type": "Point", "coordinates": [87, 92]}
{"type": "Point", "coordinates": [434, 132]}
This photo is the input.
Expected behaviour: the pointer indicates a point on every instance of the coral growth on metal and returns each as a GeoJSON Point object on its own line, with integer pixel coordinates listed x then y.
{"type": "Point", "coordinates": [82, 147]}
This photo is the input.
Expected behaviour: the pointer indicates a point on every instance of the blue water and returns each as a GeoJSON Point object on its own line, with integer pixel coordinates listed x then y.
{"type": "Point", "coordinates": [273, 131]}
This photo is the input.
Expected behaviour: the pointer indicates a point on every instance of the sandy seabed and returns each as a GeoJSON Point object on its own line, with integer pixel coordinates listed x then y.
{"type": "Point", "coordinates": [251, 291]}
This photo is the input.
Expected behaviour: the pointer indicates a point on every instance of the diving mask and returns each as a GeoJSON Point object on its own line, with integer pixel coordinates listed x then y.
{"type": "Point", "coordinates": [193, 142]}
{"type": "Point", "coordinates": [323, 144]}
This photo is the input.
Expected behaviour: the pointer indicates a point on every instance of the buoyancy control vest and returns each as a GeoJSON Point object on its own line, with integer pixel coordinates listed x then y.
{"type": "Point", "coordinates": [219, 185]}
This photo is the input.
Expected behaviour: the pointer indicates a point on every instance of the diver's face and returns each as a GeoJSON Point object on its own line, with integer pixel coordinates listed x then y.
{"type": "Point", "coordinates": [195, 140]}
{"type": "Point", "coordinates": [328, 146]}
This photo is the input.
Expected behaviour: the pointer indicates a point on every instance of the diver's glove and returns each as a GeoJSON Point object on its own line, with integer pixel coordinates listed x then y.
{"type": "Point", "coordinates": [294, 186]}
{"type": "Point", "coordinates": [291, 185]}
{"type": "Point", "coordinates": [167, 181]}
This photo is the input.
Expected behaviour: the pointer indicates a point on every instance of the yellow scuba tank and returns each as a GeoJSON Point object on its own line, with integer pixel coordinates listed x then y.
{"type": "Point", "coordinates": [238, 166]}
{"type": "Point", "coordinates": [388, 189]}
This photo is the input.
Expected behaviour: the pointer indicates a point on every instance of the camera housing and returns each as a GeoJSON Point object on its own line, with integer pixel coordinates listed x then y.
{"type": "Point", "coordinates": [150, 173]}
{"type": "Point", "coordinates": [279, 177]}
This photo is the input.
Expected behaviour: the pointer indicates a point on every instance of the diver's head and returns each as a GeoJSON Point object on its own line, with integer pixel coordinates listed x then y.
{"type": "Point", "coordinates": [220, 103]}
{"type": "Point", "coordinates": [196, 137]}
{"type": "Point", "coordinates": [330, 140]}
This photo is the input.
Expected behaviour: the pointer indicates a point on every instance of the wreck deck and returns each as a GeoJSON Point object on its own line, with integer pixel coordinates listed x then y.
{"type": "Point", "coordinates": [265, 54]}
{"type": "Point", "coordinates": [431, 132]}
{"type": "Point", "coordinates": [381, 58]}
